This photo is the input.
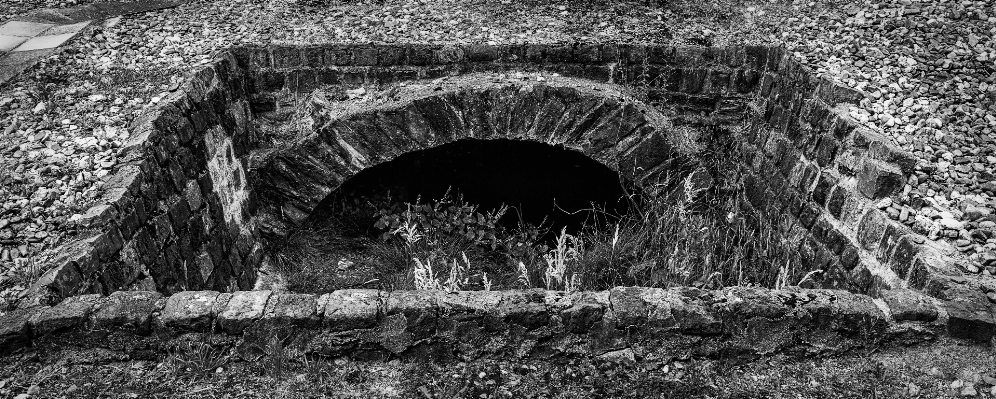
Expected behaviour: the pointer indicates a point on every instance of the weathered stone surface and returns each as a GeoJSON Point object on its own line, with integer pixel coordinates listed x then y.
{"type": "Point", "coordinates": [291, 309]}
{"type": "Point", "coordinates": [858, 313]}
{"type": "Point", "coordinates": [878, 179]}
{"type": "Point", "coordinates": [72, 312]}
{"type": "Point", "coordinates": [970, 320]}
{"type": "Point", "coordinates": [628, 306]}
{"type": "Point", "coordinates": [131, 309]}
{"type": "Point", "coordinates": [189, 310]}
{"type": "Point", "coordinates": [871, 228]}
{"type": "Point", "coordinates": [471, 303]}
{"type": "Point", "coordinates": [579, 311]}
{"type": "Point", "coordinates": [525, 308]}
{"type": "Point", "coordinates": [349, 309]}
{"type": "Point", "coordinates": [14, 328]}
{"type": "Point", "coordinates": [909, 305]}
{"type": "Point", "coordinates": [243, 309]}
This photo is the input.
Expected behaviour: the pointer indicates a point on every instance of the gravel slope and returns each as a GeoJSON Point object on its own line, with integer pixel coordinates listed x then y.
{"type": "Point", "coordinates": [928, 68]}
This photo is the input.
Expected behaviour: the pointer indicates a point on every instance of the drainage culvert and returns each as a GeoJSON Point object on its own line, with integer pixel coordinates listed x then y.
{"type": "Point", "coordinates": [499, 196]}
{"type": "Point", "coordinates": [260, 146]}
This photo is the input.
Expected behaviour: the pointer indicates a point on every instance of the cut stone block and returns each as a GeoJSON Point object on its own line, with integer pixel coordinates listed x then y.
{"type": "Point", "coordinates": [44, 42]}
{"type": "Point", "coordinates": [349, 309]}
{"type": "Point", "coordinates": [14, 329]}
{"type": "Point", "coordinates": [244, 308]}
{"type": "Point", "coordinates": [8, 42]}
{"type": "Point", "coordinates": [131, 309]}
{"type": "Point", "coordinates": [189, 310]}
{"type": "Point", "coordinates": [909, 305]}
{"type": "Point", "coordinates": [291, 309]}
{"type": "Point", "coordinates": [970, 321]}
{"type": "Point", "coordinates": [72, 312]}
{"type": "Point", "coordinates": [23, 29]}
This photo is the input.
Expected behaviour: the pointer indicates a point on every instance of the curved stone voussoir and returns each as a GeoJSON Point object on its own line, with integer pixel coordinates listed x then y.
{"type": "Point", "coordinates": [597, 119]}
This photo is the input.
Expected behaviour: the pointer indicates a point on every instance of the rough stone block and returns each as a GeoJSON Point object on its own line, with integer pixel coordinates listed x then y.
{"type": "Point", "coordinates": [878, 179]}
{"type": "Point", "coordinates": [871, 228]}
{"type": "Point", "coordinates": [584, 312]}
{"type": "Point", "coordinates": [890, 240]}
{"type": "Point", "coordinates": [628, 306]}
{"type": "Point", "coordinates": [287, 57]}
{"type": "Point", "coordinates": [291, 309]}
{"type": "Point", "coordinates": [345, 310]}
{"type": "Point", "coordinates": [131, 309]}
{"type": "Point", "coordinates": [525, 308]}
{"type": "Point", "coordinates": [586, 53]}
{"type": "Point", "coordinates": [858, 313]}
{"type": "Point", "coordinates": [242, 310]}
{"type": "Point", "coordinates": [822, 189]}
{"type": "Point", "coordinates": [909, 305]}
{"type": "Point", "coordinates": [190, 310]}
{"type": "Point", "coordinates": [448, 55]}
{"type": "Point", "coordinates": [417, 310]}
{"type": "Point", "coordinates": [849, 257]}
{"type": "Point", "coordinates": [391, 55]}
{"type": "Point", "coordinates": [14, 329]}
{"type": "Point", "coordinates": [904, 253]}
{"type": "Point", "coordinates": [835, 202]}
{"type": "Point", "coordinates": [474, 303]}
{"type": "Point", "coordinates": [70, 313]}
{"type": "Point", "coordinates": [690, 315]}
{"type": "Point", "coordinates": [970, 321]}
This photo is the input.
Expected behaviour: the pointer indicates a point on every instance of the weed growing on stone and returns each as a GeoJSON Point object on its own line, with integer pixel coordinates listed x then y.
{"type": "Point", "coordinates": [664, 244]}
{"type": "Point", "coordinates": [449, 244]}
{"type": "Point", "coordinates": [199, 358]}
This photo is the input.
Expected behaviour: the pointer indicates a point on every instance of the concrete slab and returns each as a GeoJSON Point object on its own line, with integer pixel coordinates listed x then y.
{"type": "Point", "coordinates": [66, 29]}
{"type": "Point", "coordinates": [23, 29]}
{"type": "Point", "coordinates": [8, 43]}
{"type": "Point", "coordinates": [44, 42]}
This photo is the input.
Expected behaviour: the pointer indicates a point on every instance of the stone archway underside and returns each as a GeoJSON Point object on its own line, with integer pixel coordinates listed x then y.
{"type": "Point", "coordinates": [601, 120]}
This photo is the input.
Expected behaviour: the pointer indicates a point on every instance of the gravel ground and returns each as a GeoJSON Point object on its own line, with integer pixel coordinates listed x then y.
{"type": "Point", "coordinates": [942, 369]}
{"type": "Point", "coordinates": [927, 66]}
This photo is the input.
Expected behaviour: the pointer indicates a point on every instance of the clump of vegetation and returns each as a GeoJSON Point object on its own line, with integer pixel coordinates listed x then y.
{"type": "Point", "coordinates": [449, 244]}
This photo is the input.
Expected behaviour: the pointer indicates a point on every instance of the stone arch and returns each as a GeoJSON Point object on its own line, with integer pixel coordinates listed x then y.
{"type": "Point", "coordinates": [600, 120]}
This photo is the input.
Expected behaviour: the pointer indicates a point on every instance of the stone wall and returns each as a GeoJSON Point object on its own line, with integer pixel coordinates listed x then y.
{"type": "Point", "coordinates": [822, 176]}
{"type": "Point", "coordinates": [180, 214]}
{"type": "Point", "coordinates": [652, 323]}
{"type": "Point", "coordinates": [176, 212]}
{"type": "Point", "coordinates": [814, 170]}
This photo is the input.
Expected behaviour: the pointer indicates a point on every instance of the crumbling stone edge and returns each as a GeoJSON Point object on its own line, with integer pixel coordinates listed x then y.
{"type": "Point", "coordinates": [732, 322]}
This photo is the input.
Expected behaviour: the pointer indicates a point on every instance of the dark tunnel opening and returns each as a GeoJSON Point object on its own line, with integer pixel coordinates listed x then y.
{"type": "Point", "coordinates": [544, 185]}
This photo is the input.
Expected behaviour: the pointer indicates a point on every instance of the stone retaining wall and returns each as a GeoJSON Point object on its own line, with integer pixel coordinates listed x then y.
{"type": "Point", "coordinates": [179, 212]}
{"type": "Point", "coordinates": [814, 170]}
{"type": "Point", "coordinates": [681, 322]}
{"type": "Point", "coordinates": [176, 212]}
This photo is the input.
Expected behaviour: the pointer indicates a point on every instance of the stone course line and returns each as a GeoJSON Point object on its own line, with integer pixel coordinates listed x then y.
{"type": "Point", "coordinates": [740, 322]}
